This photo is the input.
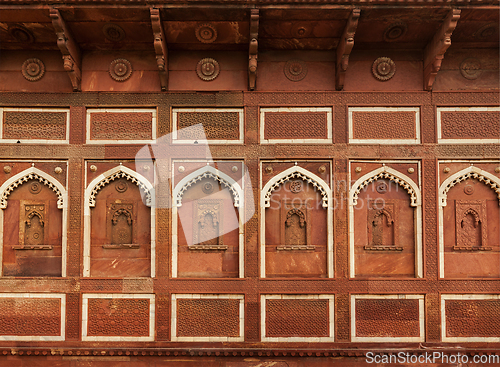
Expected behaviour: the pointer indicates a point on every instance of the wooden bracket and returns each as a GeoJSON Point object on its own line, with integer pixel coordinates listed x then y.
{"type": "Point", "coordinates": [69, 48]}
{"type": "Point", "coordinates": [253, 48]}
{"type": "Point", "coordinates": [344, 48]}
{"type": "Point", "coordinates": [160, 45]}
{"type": "Point", "coordinates": [434, 51]}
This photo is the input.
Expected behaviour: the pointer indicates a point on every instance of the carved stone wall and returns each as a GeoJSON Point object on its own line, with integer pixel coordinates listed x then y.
{"type": "Point", "coordinates": [224, 125]}
{"type": "Point", "coordinates": [116, 126]}
{"type": "Point", "coordinates": [34, 124]}
{"type": "Point", "coordinates": [470, 124]}
{"type": "Point", "coordinates": [472, 318]}
{"type": "Point", "coordinates": [296, 125]}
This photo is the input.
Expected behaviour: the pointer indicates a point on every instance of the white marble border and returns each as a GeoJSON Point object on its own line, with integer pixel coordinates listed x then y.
{"type": "Point", "coordinates": [329, 215]}
{"type": "Point", "coordinates": [417, 225]}
{"type": "Point", "coordinates": [369, 339]}
{"type": "Point", "coordinates": [312, 339]}
{"type": "Point", "coordinates": [87, 218]}
{"type": "Point", "coordinates": [173, 321]}
{"type": "Point", "coordinates": [241, 209]}
{"type": "Point", "coordinates": [35, 141]}
{"type": "Point", "coordinates": [175, 128]}
{"type": "Point", "coordinates": [442, 197]}
{"type": "Point", "coordinates": [352, 140]}
{"type": "Point", "coordinates": [442, 140]}
{"type": "Point", "coordinates": [85, 315]}
{"type": "Point", "coordinates": [60, 337]}
{"type": "Point", "coordinates": [464, 297]}
{"type": "Point", "coordinates": [64, 224]}
{"type": "Point", "coordinates": [329, 113]}
{"type": "Point", "coordinates": [89, 111]}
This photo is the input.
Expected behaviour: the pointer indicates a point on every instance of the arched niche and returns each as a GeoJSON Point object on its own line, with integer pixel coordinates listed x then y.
{"type": "Point", "coordinates": [34, 225]}
{"type": "Point", "coordinates": [385, 229]}
{"type": "Point", "coordinates": [207, 226]}
{"type": "Point", "coordinates": [469, 229]}
{"type": "Point", "coordinates": [119, 235]}
{"type": "Point", "coordinates": [296, 234]}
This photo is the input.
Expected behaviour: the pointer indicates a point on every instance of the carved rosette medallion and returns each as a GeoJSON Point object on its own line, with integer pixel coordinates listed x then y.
{"type": "Point", "coordinates": [469, 189]}
{"type": "Point", "coordinates": [486, 31]}
{"type": "Point", "coordinates": [301, 30]}
{"type": "Point", "coordinates": [470, 68]}
{"type": "Point", "coordinates": [208, 188]}
{"type": "Point", "coordinates": [35, 187]}
{"type": "Point", "coordinates": [120, 70]}
{"type": "Point", "coordinates": [208, 69]}
{"type": "Point", "coordinates": [21, 34]}
{"type": "Point", "coordinates": [295, 70]}
{"type": "Point", "coordinates": [296, 186]}
{"type": "Point", "coordinates": [383, 68]}
{"type": "Point", "coordinates": [33, 69]}
{"type": "Point", "coordinates": [395, 31]}
{"type": "Point", "coordinates": [382, 188]}
{"type": "Point", "coordinates": [206, 33]}
{"type": "Point", "coordinates": [113, 32]}
{"type": "Point", "coordinates": [121, 186]}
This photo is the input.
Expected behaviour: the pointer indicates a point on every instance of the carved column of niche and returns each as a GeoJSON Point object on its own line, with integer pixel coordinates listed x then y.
{"type": "Point", "coordinates": [295, 226]}
{"type": "Point", "coordinates": [382, 218]}
{"type": "Point", "coordinates": [208, 228]}
{"type": "Point", "coordinates": [121, 217]}
{"type": "Point", "coordinates": [33, 225]}
{"type": "Point", "coordinates": [471, 226]}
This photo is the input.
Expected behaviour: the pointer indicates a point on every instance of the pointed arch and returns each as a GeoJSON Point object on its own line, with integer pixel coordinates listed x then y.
{"type": "Point", "coordinates": [469, 172]}
{"type": "Point", "coordinates": [391, 174]}
{"type": "Point", "coordinates": [413, 190]}
{"type": "Point", "coordinates": [93, 189]}
{"type": "Point", "coordinates": [208, 172]}
{"type": "Point", "coordinates": [296, 172]}
{"type": "Point", "coordinates": [32, 173]}
{"type": "Point", "coordinates": [115, 173]}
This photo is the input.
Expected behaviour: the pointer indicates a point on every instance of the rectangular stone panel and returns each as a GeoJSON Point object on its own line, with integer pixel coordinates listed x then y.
{"type": "Point", "coordinates": [471, 318]}
{"type": "Point", "coordinates": [384, 125]}
{"type": "Point", "coordinates": [118, 317]}
{"type": "Point", "coordinates": [213, 124]}
{"type": "Point", "coordinates": [204, 317]}
{"type": "Point", "coordinates": [121, 125]}
{"type": "Point", "coordinates": [296, 125]}
{"type": "Point", "coordinates": [34, 125]}
{"type": "Point", "coordinates": [385, 318]}
{"type": "Point", "coordinates": [462, 125]}
{"type": "Point", "coordinates": [289, 318]}
{"type": "Point", "coordinates": [32, 316]}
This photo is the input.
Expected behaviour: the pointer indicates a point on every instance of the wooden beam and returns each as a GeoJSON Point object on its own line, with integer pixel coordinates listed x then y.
{"type": "Point", "coordinates": [344, 48]}
{"type": "Point", "coordinates": [253, 48]}
{"type": "Point", "coordinates": [435, 50]}
{"type": "Point", "coordinates": [160, 45]}
{"type": "Point", "coordinates": [69, 48]}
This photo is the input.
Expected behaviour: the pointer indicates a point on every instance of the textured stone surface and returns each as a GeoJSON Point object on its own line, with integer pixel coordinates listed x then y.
{"type": "Point", "coordinates": [297, 317]}
{"type": "Point", "coordinates": [470, 125]}
{"type": "Point", "coordinates": [383, 125]}
{"type": "Point", "coordinates": [216, 125]}
{"type": "Point", "coordinates": [208, 317]}
{"type": "Point", "coordinates": [387, 318]}
{"type": "Point", "coordinates": [120, 126]}
{"type": "Point", "coordinates": [472, 318]}
{"type": "Point", "coordinates": [34, 125]}
{"type": "Point", "coordinates": [295, 125]}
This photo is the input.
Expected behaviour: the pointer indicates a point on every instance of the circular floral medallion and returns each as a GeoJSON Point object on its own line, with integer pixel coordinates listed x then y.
{"type": "Point", "coordinates": [33, 69]}
{"type": "Point", "coordinates": [301, 30]}
{"type": "Point", "coordinates": [207, 188]}
{"type": "Point", "coordinates": [21, 34]}
{"type": "Point", "coordinates": [382, 188]}
{"type": "Point", "coordinates": [470, 68]}
{"type": "Point", "coordinates": [113, 32]}
{"type": "Point", "coordinates": [121, 186]}
{"type": "Point", "coordinates": [469, 189]}
{"type": "Point", "coordinates": [35, 187]}
{"type": "Point", "coordinates": [295, 70]}
{"type": "Point", "coordinates": [296, 186]}
{"type": "Point", "coordinates": [383, 68]}
{"type": "Point", "coordinates": [208, 69]}
{"type": "Point", "coordinates": [395, 31]}
{"type": "Point", "coordinates": [206, 33]}
{"type": "Point", "coordinates": [120, 70]}
{"type": "Point", "coordinates": [7, 169]}
{"type": "Point", "coordinates": [487, 31]}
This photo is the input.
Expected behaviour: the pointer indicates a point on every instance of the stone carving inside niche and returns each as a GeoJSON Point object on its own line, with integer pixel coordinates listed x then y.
{"type": "Point", "coordinates": [382, 222]}
{"type": "Point", "coordinates": [120, 225]}
{"type": "Point", "coordinates": [471, 226]}
{"type": "Point", "coordinates": [295, 226]}
{"type": "Point", "coordinates": [33, 225]}
{"type": "Point", "coordinates": [207, 225]}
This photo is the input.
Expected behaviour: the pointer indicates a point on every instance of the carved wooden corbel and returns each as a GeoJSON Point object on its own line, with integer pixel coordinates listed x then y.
{"type": "Point", "coordinates": [69, 48]}
{"type": "Point", "coordinates": [253, 48]}
{"type": "Point", "coordinates": [344, 48]}
{"type": "Point", "coordinates": [434, 51]}
{"type": "Point", "coordinates": [160, 45]}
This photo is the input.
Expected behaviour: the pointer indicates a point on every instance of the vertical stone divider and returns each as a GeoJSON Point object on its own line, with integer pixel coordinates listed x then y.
{"type": "Point", "coordinates": [428, 124]}
{"type": "Point", "coordinates": [77, 125]}
{"type": "Point", "coordinates": [163, 222]}
{"type": "Point", "coordinates": [75, 217]}
{"type": "Point", "coordinates": [163, 316]}
{"type": "Point", "coordinates": [342, 319]}
{"type": "Point", "coordinates": [73, 316]}
{"type": "Point", "coordinates": [340, 217]}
